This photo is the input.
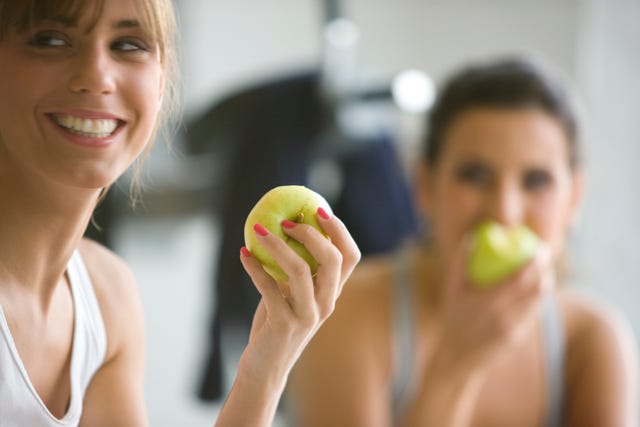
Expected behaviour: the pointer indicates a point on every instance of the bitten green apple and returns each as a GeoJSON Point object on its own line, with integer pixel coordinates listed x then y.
{"type": "Point", "coordinates": [295, 203]}
{"type": "Point", "coordinates": [497, 251]}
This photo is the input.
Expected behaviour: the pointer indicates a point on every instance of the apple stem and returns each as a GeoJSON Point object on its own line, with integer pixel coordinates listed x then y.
{"type": "Point", "coordinates": [300, 217]}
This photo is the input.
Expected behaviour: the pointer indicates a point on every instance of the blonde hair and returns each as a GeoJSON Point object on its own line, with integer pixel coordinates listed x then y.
{"type": "Point", "coordinates": [157, 17]}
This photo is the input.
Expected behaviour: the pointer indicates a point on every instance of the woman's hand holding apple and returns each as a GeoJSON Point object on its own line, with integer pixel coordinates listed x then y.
{"type": "Point", "coordinates": [290, 312]}
{"type": "Point", "coordinates": [472, 326]}
{"type": "Point", "coordinates": [285, 321]}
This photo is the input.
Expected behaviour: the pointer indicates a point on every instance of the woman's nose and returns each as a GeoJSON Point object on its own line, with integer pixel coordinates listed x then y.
{"type": "Point", "coordinates": [92, 72]}
{"type": "Point", "coordinates": [506, 205]}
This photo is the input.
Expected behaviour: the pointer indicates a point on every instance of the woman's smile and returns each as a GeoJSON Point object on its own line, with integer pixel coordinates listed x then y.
{"type": "Point", "coordinates": [87, 128]}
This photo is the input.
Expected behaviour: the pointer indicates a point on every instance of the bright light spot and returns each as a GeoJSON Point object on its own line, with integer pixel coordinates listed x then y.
{"type": "Point", "coordinates": [413, 91]}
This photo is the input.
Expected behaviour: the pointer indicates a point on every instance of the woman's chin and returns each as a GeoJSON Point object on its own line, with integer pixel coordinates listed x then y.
{"type": "Point", "coordinates": [92, 180]}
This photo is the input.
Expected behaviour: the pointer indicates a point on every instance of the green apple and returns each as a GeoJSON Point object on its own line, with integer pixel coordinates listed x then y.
{"type": "Point", "coordinates": [497, 251]}
{"type": "Point", "coordinates": [295, 203]}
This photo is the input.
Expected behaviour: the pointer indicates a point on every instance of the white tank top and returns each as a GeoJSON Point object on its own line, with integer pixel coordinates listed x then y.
{"type": "Point", "coordinates": [20, 405]}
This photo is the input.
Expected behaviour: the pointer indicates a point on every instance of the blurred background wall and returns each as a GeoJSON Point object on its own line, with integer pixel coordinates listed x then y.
{"type": "Point", "coordinates": [228, 45]}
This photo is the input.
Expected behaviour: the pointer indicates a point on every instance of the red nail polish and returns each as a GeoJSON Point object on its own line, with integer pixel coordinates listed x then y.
{"type": "Point", "coordinates": [288, 224]}
{"type": "Point", "coordinates": [323, 214]}
{"type": "Point", "coordinates": [258, 228]}
{"type": "Point", "coordinates": [244, 251]}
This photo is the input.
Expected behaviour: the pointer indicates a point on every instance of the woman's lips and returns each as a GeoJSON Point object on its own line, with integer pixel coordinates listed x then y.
{"type": "Point", "coordinates": [87, 128]}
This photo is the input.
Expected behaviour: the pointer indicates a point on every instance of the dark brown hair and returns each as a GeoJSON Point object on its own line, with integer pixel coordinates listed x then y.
{"type": "Point", "coordinates": [512, 83]}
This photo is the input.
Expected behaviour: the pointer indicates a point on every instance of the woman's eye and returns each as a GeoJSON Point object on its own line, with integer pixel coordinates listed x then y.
{"type": "Point", "coordinates": [130, 46]}
{"type": "Point", "coordinates": [48, 39]}
{"type": "Point", "coordinates": [474, 174]}
{"type": "Point", "coordinates": [534, 180]}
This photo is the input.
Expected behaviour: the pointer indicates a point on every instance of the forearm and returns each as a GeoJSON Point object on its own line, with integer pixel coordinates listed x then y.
{"type": "Point", "coordinates": [445, 400]}
{"type": "Point", "coordinates": [253, 400]}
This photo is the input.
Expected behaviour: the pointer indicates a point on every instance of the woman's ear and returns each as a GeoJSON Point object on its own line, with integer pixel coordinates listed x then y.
{"type": "Point", "coordinates": [423, 188]}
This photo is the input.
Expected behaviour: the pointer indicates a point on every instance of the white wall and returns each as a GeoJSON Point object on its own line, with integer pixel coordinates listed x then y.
{"type": "Point", "coordinates": [228, 43]}
{"type": "Point", "coordinates": [607, 243]}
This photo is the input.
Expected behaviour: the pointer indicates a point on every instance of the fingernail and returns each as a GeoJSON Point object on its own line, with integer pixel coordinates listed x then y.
{"type": "Point", "coordinates": [258, 228]}
{"type": "Point", "coordinates": [288, 224]}
{"type": "Point", "coordinates": [244, 251]}
{"type": "Point", "coordinates": [323, 214]}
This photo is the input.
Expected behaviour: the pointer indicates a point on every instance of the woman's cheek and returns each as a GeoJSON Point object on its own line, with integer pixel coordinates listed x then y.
{"type": "Point", "coordinates": [548, 224]}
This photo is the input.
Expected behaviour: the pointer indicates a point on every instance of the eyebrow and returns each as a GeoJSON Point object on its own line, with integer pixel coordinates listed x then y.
{"type": "Point", "coordinates": [126, 23]}
{"type": "Point", "coordinates": [65, 21]}
{"type": "Point", "coordinates": [69, 22]}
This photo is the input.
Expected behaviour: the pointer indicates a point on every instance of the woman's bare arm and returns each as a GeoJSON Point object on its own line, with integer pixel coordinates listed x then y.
{"type": "Point", "coordinates": [283, 326]}
{"type": "Point", "coordinates": [602, 368]}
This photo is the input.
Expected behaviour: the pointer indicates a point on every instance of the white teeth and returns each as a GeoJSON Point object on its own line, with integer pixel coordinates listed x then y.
{"type": "Point", "coordinates": [93, 128]}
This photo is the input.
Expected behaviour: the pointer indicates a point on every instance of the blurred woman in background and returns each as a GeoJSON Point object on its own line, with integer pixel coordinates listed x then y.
{"type": "Point", "coordinates": [413, 343]}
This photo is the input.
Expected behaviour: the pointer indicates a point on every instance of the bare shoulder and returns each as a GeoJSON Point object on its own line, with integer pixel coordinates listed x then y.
{"type": "Point", "coordinates": [601, 355]}
{"type": "Point", "coordinates": [590, 320]}
{"type": "Point", "coordinates": [105, 266]}
{"type": "Point", "coordinates": [116, 291]}
{"type": "Point", "coordinates": [370, 278]}
{"type": "Point", "coordinates": [360, 318]}
{"type": "Point", "coordinates": [366, 295]}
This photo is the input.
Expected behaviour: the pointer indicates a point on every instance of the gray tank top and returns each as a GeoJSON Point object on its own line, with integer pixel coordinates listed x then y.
{"type": "Point", "coordinates": [402, 316]}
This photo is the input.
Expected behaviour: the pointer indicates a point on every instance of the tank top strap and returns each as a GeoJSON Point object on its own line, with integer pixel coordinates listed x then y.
{"type": "Point", "coordinates": [92, 335]}
{"type": "Point", "coordinates": [554, 354]}
{"type": "Point", "coordinates": [403, 331]}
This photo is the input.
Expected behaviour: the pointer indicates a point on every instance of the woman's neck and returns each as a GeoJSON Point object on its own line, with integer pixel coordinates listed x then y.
{"type": "Point", "coordinates": [40, 227]}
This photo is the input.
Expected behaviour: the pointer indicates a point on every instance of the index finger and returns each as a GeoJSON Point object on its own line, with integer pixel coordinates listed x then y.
{"type": "Point", "coordinates": [342, 240]}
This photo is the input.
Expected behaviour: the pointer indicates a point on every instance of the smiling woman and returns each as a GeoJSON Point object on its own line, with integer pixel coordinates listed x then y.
{"type": "Point", "coordinates": [155, 35]}
{"type": "Point", "coordinates": [84, 86]}
{"type": "Point", "coordinates": [98, 99]}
